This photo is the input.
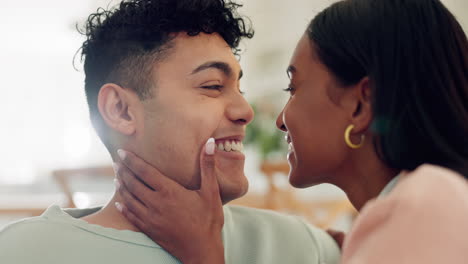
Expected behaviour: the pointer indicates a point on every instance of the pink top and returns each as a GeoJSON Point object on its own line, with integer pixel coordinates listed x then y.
{"type": "Point", "coordinates": [424, 219]}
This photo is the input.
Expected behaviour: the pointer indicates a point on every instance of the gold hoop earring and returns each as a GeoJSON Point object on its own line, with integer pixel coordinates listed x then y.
{"type": "Point", "coordinates": [348, 140]}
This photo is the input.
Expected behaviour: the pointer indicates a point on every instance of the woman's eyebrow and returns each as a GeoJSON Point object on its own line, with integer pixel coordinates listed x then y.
{"type": "Point", "coordinates": [290, 71]}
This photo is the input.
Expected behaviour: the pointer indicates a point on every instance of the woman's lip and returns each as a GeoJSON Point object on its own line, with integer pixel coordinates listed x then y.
{"type": "Point", "coordinates": [290, 154]}
{"type": "Point", "coordinates": [290, 147]}
{"type": "Point", "coordinates": [290, 150]}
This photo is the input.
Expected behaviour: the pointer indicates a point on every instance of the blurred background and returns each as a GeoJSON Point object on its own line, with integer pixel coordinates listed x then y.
{"type": "Point", "coordinates": [50, 153]}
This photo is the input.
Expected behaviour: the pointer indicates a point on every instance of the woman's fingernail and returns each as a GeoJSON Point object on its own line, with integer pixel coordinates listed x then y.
{"type": "Point", "coordinates": [118, 206]}
{"type": "Point", "coordinates": [117, 184]}
{"type": "Point", "coordinates": [115, 166]}
{"type": "Point", "coordinates": [122, 154]}
{"type": "Point", "coordinates": [210, 146]}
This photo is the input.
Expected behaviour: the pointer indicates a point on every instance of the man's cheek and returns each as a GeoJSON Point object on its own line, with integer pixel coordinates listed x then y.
{"type": "Point", "coordinates": [207, 125]}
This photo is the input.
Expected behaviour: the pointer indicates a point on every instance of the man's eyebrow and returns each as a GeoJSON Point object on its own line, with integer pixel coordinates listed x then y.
{"type": "Point", "coordinates": [222, 66]}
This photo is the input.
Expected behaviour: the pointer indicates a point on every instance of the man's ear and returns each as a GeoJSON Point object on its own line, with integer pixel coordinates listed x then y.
{"type": "Point", "coordinates": [114, 103]}
{"type": "Point", "coordinates": [361, 117]}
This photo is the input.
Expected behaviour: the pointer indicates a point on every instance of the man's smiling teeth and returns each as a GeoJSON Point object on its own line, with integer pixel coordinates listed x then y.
{"type": "Point", "coordinates": [231, 145]}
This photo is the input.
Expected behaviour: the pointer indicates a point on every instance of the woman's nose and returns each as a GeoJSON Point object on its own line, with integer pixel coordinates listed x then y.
{"type": "Point", "coordinates": [280, 123]}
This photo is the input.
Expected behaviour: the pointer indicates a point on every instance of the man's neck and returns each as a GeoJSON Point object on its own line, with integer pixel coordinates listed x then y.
{"type": "Point", "coordinates": [110, 217]}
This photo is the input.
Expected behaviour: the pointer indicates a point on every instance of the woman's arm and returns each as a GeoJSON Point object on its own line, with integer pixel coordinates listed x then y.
{"type": "Point", "coordinates": [185, 223]}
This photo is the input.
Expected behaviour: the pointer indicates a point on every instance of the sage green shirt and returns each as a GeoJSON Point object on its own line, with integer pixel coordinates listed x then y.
{"type": "Point", "coordinates": [249, 236]}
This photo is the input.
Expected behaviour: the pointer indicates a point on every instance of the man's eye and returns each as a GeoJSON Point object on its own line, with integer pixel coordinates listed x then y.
{"type": "Point", "coordinates": [212, 87]}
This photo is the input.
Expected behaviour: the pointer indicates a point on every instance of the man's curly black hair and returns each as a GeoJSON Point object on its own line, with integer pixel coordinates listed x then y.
{"type": "Point", "coordinates": [123, 43]}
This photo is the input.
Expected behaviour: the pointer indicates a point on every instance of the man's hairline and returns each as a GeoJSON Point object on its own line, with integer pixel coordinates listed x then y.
{"type": "Point", "coordinates": [166, 50]}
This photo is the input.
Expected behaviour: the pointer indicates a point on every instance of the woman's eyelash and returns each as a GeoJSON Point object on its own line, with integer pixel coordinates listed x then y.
{"type": "Point", "coordinates": [289, 89]}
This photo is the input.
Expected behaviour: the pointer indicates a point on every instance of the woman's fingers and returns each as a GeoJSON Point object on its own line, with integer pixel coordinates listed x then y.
{"type": "Point", "coordinates": [209, 183]}
{"type": "Point", "coordinates": [146, 172]}
{"type": "Point", "coordinates": [171, 213]}
{"type": "Point", "coordinates": [138, 222]}
{"type": "Point", "coordinates": [130, 202]}
{"type": "Point", "coordinates": [132, 184]}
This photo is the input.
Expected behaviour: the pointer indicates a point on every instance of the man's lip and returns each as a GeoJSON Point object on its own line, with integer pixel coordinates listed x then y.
{"type": "Point", "coordinates": [232, 155]}
{"type": "Point", "coordinates": [287, 138]}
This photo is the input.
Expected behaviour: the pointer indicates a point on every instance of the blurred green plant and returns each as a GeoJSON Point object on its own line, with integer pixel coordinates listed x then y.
{"type": "Point", "coordinates": [262, 133]}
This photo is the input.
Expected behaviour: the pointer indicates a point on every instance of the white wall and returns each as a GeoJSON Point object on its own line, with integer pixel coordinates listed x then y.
{"type": "Point", "coordinates": [43, 112]}
{"type": "Point", "coordinates": [279, 24]}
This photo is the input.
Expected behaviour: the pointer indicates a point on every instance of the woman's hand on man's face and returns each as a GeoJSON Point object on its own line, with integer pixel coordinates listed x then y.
{"type": "Point", "coordinates": [185, 223]}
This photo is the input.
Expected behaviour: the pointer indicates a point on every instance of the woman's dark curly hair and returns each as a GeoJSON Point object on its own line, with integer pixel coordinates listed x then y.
{"type": "Point", "coordinates": [123, 43]}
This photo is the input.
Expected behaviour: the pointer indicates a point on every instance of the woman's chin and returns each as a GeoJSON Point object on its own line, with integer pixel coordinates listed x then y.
{"type": "Point", "coordinates": [297, 183]}
{"type": "Point", "coordinates": [296, 179]}
{"type": "Point", "coordinates": [301, 180]}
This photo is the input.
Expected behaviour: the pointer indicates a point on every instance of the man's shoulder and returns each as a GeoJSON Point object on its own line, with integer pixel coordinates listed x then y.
{"type": "Point", "coordinates": [241, 214]}
{"type": "Point", "coordinates": [25, 227]}
{"type": "Point", "coordinates": [30, 233]}
{"type": "Point", "coordinates": [56, 237]}
{"type": "Point", "coordinates": [48, 221]}
{"type": "Point", "coordinates": [280, 234]}
{"type": "Point", "coordinates": [255, 212]}
{"type": "Point", "coordinates": [280, 223]}
{"type": "Point", "coordinates": [35, 235]}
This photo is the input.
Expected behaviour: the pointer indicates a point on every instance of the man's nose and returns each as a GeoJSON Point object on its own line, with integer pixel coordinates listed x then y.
{"type": "Point", "coordinates": [240, 111]}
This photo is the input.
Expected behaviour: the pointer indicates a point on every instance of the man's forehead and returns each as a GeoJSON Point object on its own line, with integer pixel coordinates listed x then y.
{"type": "Point", "coordinates": [189, 55]}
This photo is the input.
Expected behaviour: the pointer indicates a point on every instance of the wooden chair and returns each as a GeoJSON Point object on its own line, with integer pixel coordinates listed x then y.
{"type": "Point", "coordinates": [322, 213]}
{"type": "Point", "coordinates": [62, 177]}
{"type": "Point", "coordinates": [24, 212]}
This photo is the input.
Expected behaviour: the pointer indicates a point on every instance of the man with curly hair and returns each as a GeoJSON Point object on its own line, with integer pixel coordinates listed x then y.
{"type": "Point", "coordinates": [162, 78]}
